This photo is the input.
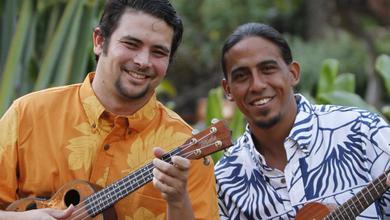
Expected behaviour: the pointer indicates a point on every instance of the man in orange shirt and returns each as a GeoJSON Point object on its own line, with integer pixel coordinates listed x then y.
{"type": "Point", "coordinates": [106, 127]}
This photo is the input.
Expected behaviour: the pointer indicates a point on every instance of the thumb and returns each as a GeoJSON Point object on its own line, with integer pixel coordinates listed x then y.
{"type": "Point", "coordinates": [60, 214]}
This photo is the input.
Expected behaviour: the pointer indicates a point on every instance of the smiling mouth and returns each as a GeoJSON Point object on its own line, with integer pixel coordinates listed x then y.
{"type": "Point", "coordinates": [136, 75]}
{"type": "Point", "coordinates": [262, 101]}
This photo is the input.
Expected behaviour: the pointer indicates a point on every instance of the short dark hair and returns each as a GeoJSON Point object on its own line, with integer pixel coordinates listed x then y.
{"type": "Point", "coordinates": [161, 9]}
{"type": "Point", "coordinates": [256, 30]}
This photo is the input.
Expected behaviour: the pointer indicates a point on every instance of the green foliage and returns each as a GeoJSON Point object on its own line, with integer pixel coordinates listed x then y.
{"type": "Point", "coordinates": [327, 76]}
{"type": "Point", "coordinates": [12, 67]}
{"type": "Point", "coordinates": [339, 46]}
{"type": "Point", "coordinates": [382, 66]}
{"type": "Point", "coordinates": [44, 52]}
{"type": "Point", "coordinates": [214, 111]}
{"type": "Point", "coordinates": [338, 89]}
{"type": "Point", "coordinates": [214, 105]}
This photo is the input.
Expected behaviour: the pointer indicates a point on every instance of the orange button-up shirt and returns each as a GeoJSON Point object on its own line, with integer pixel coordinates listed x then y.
{"type": "Point", "coordinates": [50, 137]}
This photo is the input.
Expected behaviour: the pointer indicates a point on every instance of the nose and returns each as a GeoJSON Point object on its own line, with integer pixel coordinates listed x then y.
{"type": "Point", "coordinates": [258, 83]}
{"type": "Point", "coordinates": [142, 59]}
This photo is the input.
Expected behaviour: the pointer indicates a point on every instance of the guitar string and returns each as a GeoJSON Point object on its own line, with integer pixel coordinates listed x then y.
{"type": "Point", "coordinates": [142, 174]}
{"type": "Point", "coordinates": [185, 155]}
{"type": "Point", "coordinates": [363, 195]}
{"type": "Point", "coordinates": [344, 210]}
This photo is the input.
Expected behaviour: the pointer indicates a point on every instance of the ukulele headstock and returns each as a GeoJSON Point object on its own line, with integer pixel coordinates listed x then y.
{"type": "Point", "coordinates": [214, 138]}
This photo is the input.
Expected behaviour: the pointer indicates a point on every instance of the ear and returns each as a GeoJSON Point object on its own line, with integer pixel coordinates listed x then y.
{"type": "Point", "coordinates": [98, 41]}
{"type": "Point", "coordinates": [226, 88]}
{"type": "Point", "coordinates": [295, 71]}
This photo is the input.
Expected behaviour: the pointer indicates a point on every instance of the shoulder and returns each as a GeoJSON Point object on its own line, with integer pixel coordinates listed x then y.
{"type": "Point", "coordinates": [235, 157]}
{"type": "Point", "coordinates": [172, 117]}
{"type": "Point", "coordinates": [45, 100]}
{"type": "Point", "coordinates": [336, 114]}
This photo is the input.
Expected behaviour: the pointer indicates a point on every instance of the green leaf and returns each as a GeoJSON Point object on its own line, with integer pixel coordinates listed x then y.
{"type": "Point", "coordinates": [382, 65]}
{"type": "Point", "coordinates": [345, 82]}
{"type": "Point", "coordinates": [63, 73]}
{"type": "Point", "coordinates": [345, 99]}
{"type": "Point", "coordinates": [84, 46]}
{"type": "Point", "coordinates": [237, 124]}
{"type": "Point", "coordinates": [166, 87]}
{"type": "Point", "coordinates": [50, 60]}
{"type": "Point", "coordinates": [386, 111]}
{"type": "Point", "coordinates": [327, 76]}
{"type": "Point", "coordinates": [12, 65]}
{"type": "Point", "coordinates": [214, 105]}
{"type": "Point", "coordinates": [216, 156]}
{"type": "Point", "coordinates": [8, 20]}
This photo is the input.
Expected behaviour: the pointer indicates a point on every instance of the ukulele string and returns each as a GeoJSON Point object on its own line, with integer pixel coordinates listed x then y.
{"type": "Point", "coordinates": [82, 206]}
{"type": "Point", "coordinates": [344, 210]}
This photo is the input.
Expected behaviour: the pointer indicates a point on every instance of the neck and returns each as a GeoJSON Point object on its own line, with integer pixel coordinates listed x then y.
{"type": "Point", "coordinates": [270, 141]}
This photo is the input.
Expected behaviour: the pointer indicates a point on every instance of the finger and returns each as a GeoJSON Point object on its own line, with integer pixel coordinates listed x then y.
{"type": "Point", "coordinates": [58, 214]}
{"type": "Point", "coordinates": [158, 152]}
{"type": "Point", "coordinates": [162, 187]}
{"type": "Point", "coordinates": [173, 181]}
{"type": "Point", "coordinates": [181, 163]}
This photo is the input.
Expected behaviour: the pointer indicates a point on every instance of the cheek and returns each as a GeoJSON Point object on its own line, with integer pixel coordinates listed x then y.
{"type": "Point", "coordinates": [161, 67]}
{"type": "Point", "coordinates": [238, 91]}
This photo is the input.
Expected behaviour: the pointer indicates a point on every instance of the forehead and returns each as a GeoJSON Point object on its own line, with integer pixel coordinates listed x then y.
{"type": "Point", "coordinates": [251, 51]}
{"type": "Point", "coordinates": [142, 25]}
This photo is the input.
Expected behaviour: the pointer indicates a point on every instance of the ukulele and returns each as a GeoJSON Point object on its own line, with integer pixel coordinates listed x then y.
{"type": "Point", "coordinates": [94, 202]}
{"type": "Point", "coordinates": [351, 208]}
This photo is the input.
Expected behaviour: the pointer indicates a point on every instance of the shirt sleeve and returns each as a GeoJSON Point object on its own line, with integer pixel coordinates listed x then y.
{"type": "Point", "coordinates": [379, 154]}
{"type": "Point", "coordinates": [8, 156]}
{"type": "Point", "coordinates": [201, 187]}
{"type": "Point", "coordinates": [222, 208]}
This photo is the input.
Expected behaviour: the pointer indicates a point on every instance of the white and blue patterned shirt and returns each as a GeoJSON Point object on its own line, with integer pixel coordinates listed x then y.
{"type": "Point", "coordinates": [332, 153]}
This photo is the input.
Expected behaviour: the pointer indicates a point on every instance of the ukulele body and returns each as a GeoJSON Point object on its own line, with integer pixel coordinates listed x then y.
{"type": "Point", "coordinates": [314, 211]}
{"type": "Point", "coordinates": [74, 192]}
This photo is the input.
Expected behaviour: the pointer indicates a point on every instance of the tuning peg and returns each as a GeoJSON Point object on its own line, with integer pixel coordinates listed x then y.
{"type": "Point", "coordinates": [195, 131]}
{"type": "Point", "coordinates": [214, 121]}
{"type": "Point", "coordinates": [206, 161]}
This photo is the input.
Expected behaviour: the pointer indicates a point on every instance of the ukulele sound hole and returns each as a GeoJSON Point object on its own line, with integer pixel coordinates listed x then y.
{"type": "Point", "coordinates": [31, 206]}
{"type": "Point", "coordinates": [72, 197]}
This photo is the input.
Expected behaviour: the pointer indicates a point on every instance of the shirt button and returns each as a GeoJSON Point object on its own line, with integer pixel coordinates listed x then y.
{"type": "Point", "coordinates": [283, 180]}
{"type": "Point", "coordinates": [106, 147]}
{"type": "Point", "coordinates": [94, 128]}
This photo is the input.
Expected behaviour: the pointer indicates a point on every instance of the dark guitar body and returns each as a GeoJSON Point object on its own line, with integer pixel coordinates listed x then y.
{"type": "Point", "coordinates": [74, 193]}
{"type": "Point", "coordinates": [314, 211]}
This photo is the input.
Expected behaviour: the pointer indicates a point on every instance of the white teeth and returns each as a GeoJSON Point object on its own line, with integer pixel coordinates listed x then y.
{"type": "Point", "coordinates": [262, 101]}
{"type": "Point", "coordinates": [136, 75]}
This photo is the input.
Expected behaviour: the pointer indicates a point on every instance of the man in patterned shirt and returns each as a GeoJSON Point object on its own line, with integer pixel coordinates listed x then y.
{"type": "Point", "coordinates": [293, 152]}
{"type": "Point", "coordinates": [107, 127]}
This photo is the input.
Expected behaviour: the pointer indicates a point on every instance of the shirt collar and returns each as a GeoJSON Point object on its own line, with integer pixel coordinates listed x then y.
{"type": "Point", "coordinates": [300, 135]}
{"type": "Point", "coordinates": [305, 125]}
{"type": "Point", "coordinates": [94, 109]}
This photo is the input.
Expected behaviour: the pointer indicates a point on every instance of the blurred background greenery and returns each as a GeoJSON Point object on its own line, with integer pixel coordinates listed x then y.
{"type": "Point", "coordinates": [341, 45]}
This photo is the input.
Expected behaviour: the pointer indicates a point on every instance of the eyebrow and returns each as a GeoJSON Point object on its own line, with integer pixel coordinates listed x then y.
{"type": "Point", "coordinates": [158, 46]}
{"type": "Point", "coordinates": [262, 63]}
{"type": "Point", "coordinates": [267, 62]}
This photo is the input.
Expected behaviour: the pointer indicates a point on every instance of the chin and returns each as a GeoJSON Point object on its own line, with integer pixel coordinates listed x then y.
{"type": "Point", "coordinates": [267, 123]}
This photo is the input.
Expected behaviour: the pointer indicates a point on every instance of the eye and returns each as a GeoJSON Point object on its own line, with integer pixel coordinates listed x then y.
{"type": "Point", "coordinates": [269, 68]}
{"type": "Point", "coordinates": [130, 44]}
{"type": "Point", "coordinates": [160, 53]}
{"type": "Point", "coordinates": [239, 75]}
